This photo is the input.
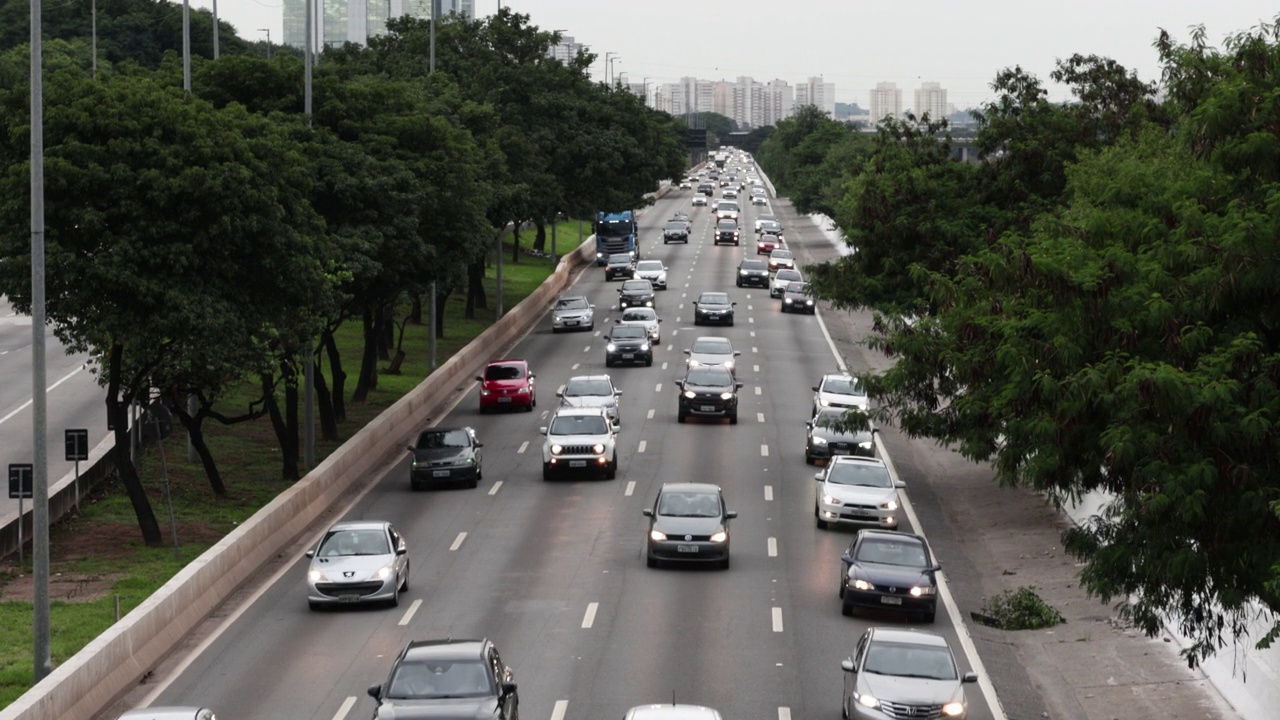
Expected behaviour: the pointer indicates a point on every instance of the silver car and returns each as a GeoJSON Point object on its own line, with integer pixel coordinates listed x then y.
{"type": "Point", "coordinates": [358, 561]}
{"type": "Point", "coordinates": [646, 318]}
{"type": "Point", "coordinates": [672, 712]}
{"type": "Point", "coordinates": [573, 312]}
{"type": "Point", "coordinates": [169, 713]}
{"type": "Point", "coordinates": [839, 391]}
{"type": "Point", "coordinates": [903, 674]}
{"type": "Point", "coordinates": [653, 271]}
{"type": "Point", "coordinates": [857, 491]}
{"type": "Point", "coordinates": [711, 351]}
{"type": "Point", "coordinates": [781, 279]}
{"type": "Point", "coordinates": [593, 391]}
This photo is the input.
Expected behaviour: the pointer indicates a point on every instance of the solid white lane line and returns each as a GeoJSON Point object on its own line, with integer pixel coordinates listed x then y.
{"type": "Point", "coordinates": [768, 493]}
{"type": "Point", "coordinates": [773, 547]}
{"type": "Point", "coordinates": [523, 446]}
{"type": "Point", "coordinates": [27, 404]}
{"type": "Point", "coordinates": [760, 417]}
{"type": "Point", "coordinates": [631, 488]}
{"type": "Point", "coordinates": [590, 618]}
{"type": "Point", "coordinates": [345, 708]}
{"type": "Point", "coordinates": [784, 713]}
{"type": "Point", "coordinates": [557, 712]}
{"type": "Point", "coordinates": [496, 486]}
{"type": "Point", "coordinates": [642, 445]}
{"type": "Point", "coordinates": [777, 619]}
{"type": "Point", "coordinates": [457, 542]}
{"type": "Point", "coordinates": [764, 451]}
{"type": "Point", "coordinates": [408, 614]}
{"type": "Point", "coordinates": [649, 415]}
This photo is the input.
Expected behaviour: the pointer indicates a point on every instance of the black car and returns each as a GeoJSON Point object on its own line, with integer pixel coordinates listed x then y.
{"type": "Point", "coordinates": [443, 456]}
{"type": "Point", "coordinates": [708, 392]}
{"type": "Point", "coordinates": [707, 189]}
{"type": "Point", "coordinates": [826, 438]}
{"type": "Point", "coordinates": [689, 523]}
{"type": "Point", "coordinates": [889, 570]}
{"type": "Point", "coordinates": [620, 265]}
{"type": "Point", "coordinates": [753, 273]}
{"type": "Point", "coordinates": [448, 679]}
{"type": "Point", "coordinates": [727, 232]}
{"type": "Point", "coordinates": [635, 293]}
{"type": "Point", "coordinates": [628, 344]}
{"type": "Point", "coordinates": [796, 298]}
{"type": "Point", "coordinates": [713, 307]}
{"type": "Point", "coordinates": [675, 231]}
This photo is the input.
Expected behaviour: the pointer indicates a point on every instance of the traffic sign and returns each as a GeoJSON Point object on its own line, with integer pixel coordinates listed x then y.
{"type": "Point", "coordinates": [20, 480]}
{"type": "Point", "coordinates": [77, 445]}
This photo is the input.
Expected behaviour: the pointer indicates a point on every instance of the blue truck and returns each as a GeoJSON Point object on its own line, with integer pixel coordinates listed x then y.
{"type": "Point", "coordinates": [616, 232]}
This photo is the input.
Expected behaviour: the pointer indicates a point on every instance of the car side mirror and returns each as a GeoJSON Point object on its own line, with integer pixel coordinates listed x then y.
{"type": "Point", "coordinates": [508, 688]}
{"type": "Point", "coordinates": [738, 385]}
{"type": "Point", "coordinates": [560, 394]}
{"type": "Point", "coordinates": [969, 677]}
{"type": "Point", "coordinates": [937, 567]}
{"type": "Point", "coordinates": [617, 393]}
{"type": "Point", "coordinates": [734, 304]}
{"type": "Point", "coordinates": [311, 553]}
{"type": "Point", "coordinates": [606, 337]}
{"type": "Point", "coordinates": [542, 430]}
{"type": "Point", "coordinates": [736, 353]}
{"type": "Point", "coordinates": [817, 476]}
{"type": "Point", "coordinates": [410, 448]}
{"type": "Point", "coordinates": [479, 379]}
{"type": "Point", "coordinates": [532, 376]}
{"type": "Point", "coordinates": [401, 549]}
{"type": "Point", "coordinates": [847, 557]}
{"type": "Point", "coordinates": [375, 692]}
{"type": "Point", "coordinates": [730, 514]}
{"type": "Point", "coordinates": [815, 388]}
{"type": "Point", "coordinates": [695, 302]}
{"type": "Point", "coordinates": [809, 425]}
{"type": "Point", "coordinates": [479, 445]}
{"type": "Point", "coordinates": [647, 512]}
{"type": "Point", "coordinates": [591, 307]}
{"type": "Point", "coordinates": [899, 484]}
{"type": "Point", "coordinates": [688, 352]}
{"type": "Point", "coordinates": [659, 319]}
{"type": "Point", "coordinates": [848, 666]}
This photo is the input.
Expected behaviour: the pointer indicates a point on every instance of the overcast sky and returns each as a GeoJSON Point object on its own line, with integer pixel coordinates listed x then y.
{"type": "Point", "coordinates": [854, 44]}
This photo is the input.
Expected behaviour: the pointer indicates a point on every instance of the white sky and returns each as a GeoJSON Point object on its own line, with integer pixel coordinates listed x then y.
{"type": "Point", "coordinates": [853, 43]}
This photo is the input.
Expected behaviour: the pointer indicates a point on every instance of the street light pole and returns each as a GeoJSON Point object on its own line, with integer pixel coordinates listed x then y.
{"type": "Point", "coordinates": [94, 13]}
{"type": "Point", "coordinates": [268, 32]}
{"type": "Point", "coordinates": [607, 55]}
{"type": "Point", "coordinates": [308, 358]}
{"type": "Point", "coordinates": [186, 45]}
{"type": "Point", "coordinates": [215, 29]}
{"type": "Point", "coordinates": [612, 72]}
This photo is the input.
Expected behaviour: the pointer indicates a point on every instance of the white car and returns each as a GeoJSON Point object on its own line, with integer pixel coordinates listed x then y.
{"type": "Point", "coordinates": [730, 194]}
{"type": "Point", "coordinates": [841, 391]}
{"type": "Point", "coordinates": [653, 271]}
{"type": "Point", "coordinates": [766, 217]}
{"type": "Point", "coordinates": [781, 279]}
{"type": "Point", "coordinates": [685, 185]}
{"type": "Point", "coordinates": [672, 712]}
{"type": "Point", "coordinates": [857, 491]}
{"type": "Point", "coordinates": [579, 440]}
{"type": "Point", "coordinates": [728, 210]}
{"type": "Point", "coordinates": [169, 713]}
{"type": "Point", "coordinates": [759, 200]}
{"type": "Point", "coordinates": [358, 561]}
{"type": "Point", "coordinates": [593, 391]}
{"type": "Point", "coordinates": [700, 200]}
{"type": "Point", "coordinates": [646, 318]}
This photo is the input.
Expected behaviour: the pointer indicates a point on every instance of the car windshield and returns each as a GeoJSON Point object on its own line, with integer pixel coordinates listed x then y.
{"type": "Point", "coordinates": [689, 504]}
{"type": "Point", "coordinates": [910, 660]}
{"type": "Point", "coordinates": [435, 679]}
{"type": "Point", "coordinates": [781, 254]}
{"type": "Point", "coordinates": [731, 206]}
{"type": "Point", "coordinates": [768, 219]}
{"type": "Point", "coordinates": [637, 285]}
{"type": "Point", "coordinates": [751, 265]}
{"type": "Point", "coordinates": [709, 377]}
{"type": "Point", "coordinates": [712, 346]}
{"type": "Point", "coordinates": [578, 425]}
{"type": "Point", "coordinates": [649, 266]}
{"type": "Point", "coordinates": [576, 303]}
{"type": "Point", "coordinates": [444, 439]}
{"type": "Point", "coordinates": [726, 225]}
{"type": "Point", "coordinates": [831, 418]}
{"type": "Point", "coordinates": [713, 299]}
{"type": "Point", "coordinates": [892, 552]}
{"type": "Point", "coordinates": [349, 543]}
{"type": "Point", "coordinates": [503, 372]}
{"type": "Point", "coordinates": [788, 275]}
{"type": "Point", "coordinates": [843, 386]}
{"type": "Point", "coordinates": [639, 315]}
{"type": "Point", "coordinates": [595, 387]}
{"type": "Point", "coordinates": [798, 287]}
{"type": "Point", "coordinates": [860, 474]}
{"type": "Point", "coordinates": [628, 331]}
{"type": "Point", "coordinates": [620, 259]}
{"type": "Point", "coordinates": [768, 225]}
{"type": "Point", "coordinates": [675, 226]}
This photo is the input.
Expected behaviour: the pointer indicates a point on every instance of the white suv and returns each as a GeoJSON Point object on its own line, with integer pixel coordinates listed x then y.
{"type": "Point", "coordinates": [580, 439]}
{"type": "Point", "coordinates": [857, 491]}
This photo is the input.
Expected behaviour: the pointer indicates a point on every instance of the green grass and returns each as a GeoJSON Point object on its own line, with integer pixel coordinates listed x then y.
{"type": "Point", "coordinates": [102, 542]}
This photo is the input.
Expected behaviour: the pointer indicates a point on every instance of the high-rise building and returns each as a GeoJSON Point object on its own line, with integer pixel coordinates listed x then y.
{"type": "Point", "coordinates": [817, 93]}
{"type": "Point", "coordinates": [639, 89]}
{"type": "Point", "coordinates": [567, 50]}
{"type": "Point", "coordinates": [886, 101]}
{"type": "Point", "coordinates": [343, 21]}
{"type": "Point", "coordinates": [778, 99]}
{"type": "Point", "coordinates": [931, 100]}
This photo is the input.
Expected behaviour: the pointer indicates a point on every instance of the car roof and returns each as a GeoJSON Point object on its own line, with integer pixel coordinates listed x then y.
{"type": "Point", "coordinates": [672, 712]}
{"type": "Point", "coordinates": [359, 525]}
{"type": "Point", "coordinates": [689, 487]}
{"type": "Point", "coordinates": [909, 637]}
{"type": "Point", "coordinates": [855, 460]}
{"type": "Point", "coordinates": [752, 262]}
{"type": "Point", "coordinates": [447, 649]}
{"type": "Point", "coordinates": [712, 338]}
{"type": "Point", "coordinates": [571, 411]}
{"type": "Point", "coordinates": [168, 712]}
{"type": "Point", "coordinates": [837, 376]}
{"type": "Point", "coordinates": [878, 534]}
{"type": "Point", "coordinates": [601, 376]}
{"type": "Point", "coordinates": [705, 293]}
{"type": "Point", "coordinates": [445, 428]}
{"type": "Point", "coordinates": [512, 361]}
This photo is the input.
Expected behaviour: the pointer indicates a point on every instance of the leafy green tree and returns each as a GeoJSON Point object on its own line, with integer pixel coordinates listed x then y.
{"type": "Point", "coordinates": [795, 157]}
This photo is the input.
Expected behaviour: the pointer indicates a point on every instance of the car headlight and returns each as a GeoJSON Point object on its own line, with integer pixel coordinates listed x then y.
{"type": "Point", "coordinates": [866, 700]}
{"type": "Point", "coordinates": [953, 709]}
{"type": "Point", "coordinates": [891, 505]}
{"type": "Point", "coordinates": [690, 394]}
{"type": "Point", "coordinates": [599, 255]}
{"type": "Point", "coordinates": [819, 440]}
{"type": "Point", "coordinates": [384, 572]}
{"type": "Point", "coordinates": [522, 390]}
{"type": "Point", "coordinates": [742, 272]}
{"type": "Point", "coordinates": [315, 576]}
{"type": "Point", "coordinates": [657, 535]}
{"type": "Point", "coordinates": [597, 448]}
{"type": "Point", "coordinates": [726, 396]}
{"type": "Point", "coordinates": [866, 445]}
{"type": "Point", "coordinates": [485, 392]}
{"type": "Point", "coordinates": [557, 449]}
{"type": "Point", "coordinates": [694, 363]}
{"type": "Point", "coordinates": [824, 402]}
{"type": "Point", "coordinates": [808, 302]}
{"type": "Point", "coordinates": [644, 346]}
{"type": "Point", "coordinates": [728, 364]}
{"type": "Point", "coordinates": [860, 584]}
{"type": "Point", "coordinates": [830, 500]}
{"type": "Point", "coordinates": [786, 300]}
{"type": "Point", "coordinates": [648, 303]}
{"type": "Point", "coordinates": [610, 347]}
{"type": "Point", "coordinates": [720, 537]}
{"type": "Point", "coordinates": [922, 591]}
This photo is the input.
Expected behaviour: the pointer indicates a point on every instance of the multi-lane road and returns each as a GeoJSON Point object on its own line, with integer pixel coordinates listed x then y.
{"type": "Point", "coordinates": [554, 573]}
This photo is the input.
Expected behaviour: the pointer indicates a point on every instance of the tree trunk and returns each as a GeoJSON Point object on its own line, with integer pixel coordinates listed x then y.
{"type": "Point", "coordinates": [324, 402]}
{"type": "Point", "coordinates": [415, 312]}
{"type": "Point", "coordinates": [368, 378]}
{"type": "Point", "coordinates": [194, 425]}
{"type": "Point", "coordinates": [441, 299]}
{"type": "Point", "coordinates": [288, 471]}
{"type": "Point", "coordinates": [291, 450]}
{"type": "Point", "coordinates": [386, 333]}
{"type": "Point", "coordinates": [476, 299]}
{"type": "Point", "coordinates": [128, 474]}
{"type": "Point", "coordinates": [339, 378]}
{"type": "Point", "coordinates": [540, 237]}
{"type": "Point", "coordinates": [515, 241]}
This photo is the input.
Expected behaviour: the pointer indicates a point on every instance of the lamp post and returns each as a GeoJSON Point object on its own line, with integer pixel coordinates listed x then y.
{"type": "Point", "coordinates": [612, 74]}
{"type": "Point", "coordinates": [606, 67]}
{"type": "Point", "coordinates": [268, 32]}
{"type": "Point", "coordinates": [646, 92]}
{"type": "Point", "coordinates": [215, 29]}
{"type": "Point", "coordinates": [186, 45]}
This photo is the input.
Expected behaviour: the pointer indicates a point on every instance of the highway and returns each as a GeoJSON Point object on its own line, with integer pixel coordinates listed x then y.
{"type": "Point", "coordinates": [554, 573]}
{"type": "Point", "coordinates": [74, 401]}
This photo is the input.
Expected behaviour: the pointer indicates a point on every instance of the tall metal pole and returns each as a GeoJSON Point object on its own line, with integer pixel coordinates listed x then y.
{"type": "Point", "coordinates": [186, 45]}
{"type": "Point", "coordinates": [554, 221]}
{"type": "Point", "coordinates": [39, 421]}
{"type": "Point", "coordinates": [498, 316]}
{"type": "Point", "coordinates": [309, 371]}
{"type": "Point", "coordinates": [431, 326]}
{"type": "Point", "coordinates": [94, 13]}
{"type": "Point", "coordinates": [432, 62]}
{"type": "Point", "coordinates": [215, 29]}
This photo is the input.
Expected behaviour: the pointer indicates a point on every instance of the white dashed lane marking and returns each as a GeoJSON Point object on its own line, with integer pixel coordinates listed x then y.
{"type": "Point", "coordinates": [773, 547]}
{"type": "Point", "coordinates": [760, 417]}
{"type": "Point", "coordinates": [777, 619]}
{"type": "Point", "coordinates": [589, 618]}
{"type": "Point", "coordinates": [764, 451]}
{"type": "Point", "coordinates": [631, 488]}
{"type": "Point", "coordinates": [408, 614]}
{"type": "Point", "coordinates": [768, 493]}
{"type": "Point", "coordinates": [650, 414]}
{"type": "Point", "coordinates": [557, 712]}
{"type": "Point", "coordinates": [345, 708]}
{"type": "Point", "coordinates": [523, 446]}
{"type": "Point", "coordinates": [457, 542]}
{"type": "Point", "coordinates": [496, 486]}
{"type": "Point", "coordinates": [642, 445]}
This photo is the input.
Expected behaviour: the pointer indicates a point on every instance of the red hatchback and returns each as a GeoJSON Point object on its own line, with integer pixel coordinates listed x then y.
{"type": "Point", "coordinates": [507, 384]}
{"type": "Point", "coordinates": [767, 244]}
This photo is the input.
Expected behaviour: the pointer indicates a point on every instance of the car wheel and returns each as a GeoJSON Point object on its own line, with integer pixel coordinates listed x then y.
{"type": "Point", "coordinates": [846, 609]}
{"type": "Point", "coordinates": [844, 709]}
{"type": "Point", "coordinates": [313, 606]}
{"type": "Point", "coordinates": [555, 330]}
{"type": "Point", "coordinates": [650, 561]}
{"type": "Point", "coordinates": [648, 362]}
{"type": "Point", "coordinates": [724, 564]}
{"type": "Point", "coordinates": [483, 410]}
{"type": "Point", "coordinates": [680, 417]}
{"type": "Point", "coordinates": [546, 474]}
{"type": "Point", "coordinates": [612, 471]}
{"type": "Point", "coordinates": [822, 524]}
{"type": "Point", "coordinates": [738, 284]}
{"type": "Point", "coordinates": [414, 486]}
{"type": "Point", "coordinates": [930, 616]}
{"type": "Point", "coordinates": [404, 584]}
{"type": "Point", "coordinates": [733, 419]}
{"type": "Point", "coordinates": [395, 598]}
{"type": "Point", "coordinates": [841, 593]}
{"type": "Point", "coordinates": [808, 459]}
{"type": "Point", "coordinates": [608, 362]}
{"type": "Point", "coordinates": [730, 323]}
{"type": "Point", "coordinates": [474, 482]}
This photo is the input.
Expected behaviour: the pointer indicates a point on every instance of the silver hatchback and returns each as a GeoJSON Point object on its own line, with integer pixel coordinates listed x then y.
{"type": "Point", "coordinates": [573, 312]}
{"type": "Point", "coordinates": [358, 562]}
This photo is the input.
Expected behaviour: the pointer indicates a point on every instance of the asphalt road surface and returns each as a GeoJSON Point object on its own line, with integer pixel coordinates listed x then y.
{"type": "Point", "coordinates": [554, 573]}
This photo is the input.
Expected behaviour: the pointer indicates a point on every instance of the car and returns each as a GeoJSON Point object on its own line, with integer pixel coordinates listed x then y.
{"type": "Point", "coordinates": [903, 674]}
{"type": "Point", "coordinates": [653, 271]}
{"type": "Point", "coordinates": [672, 711]}
{"type": "Point", "coordinates": [593, 391]}
{"type": "Point", "coordinates": [579, 439]}
{"type": "Point", "coordinates": [174, 712]}
{"type": "Point", "coordinates": [685, 184]}
{"type": "Point", "coordinates": [713, 307]}
{"type": "Point", "coordinates": [446, 679]}
{"type": "Point", "coordinates": [781, 258]}
{"type": "Point", "coordinates": [708, 391]}
{"type": "Point", "coordinates": [573, 312]}
{"type": "Point", "coordinates": [730, 193]}
{"type": "Point", "coordinates": [675, 231]}
{"type": "Point", "coordinates": [768, 227]}
{"type": "Point", "coordinates": [726, 232]}
{"type": "Point", "coordinates": [688, 523]}
{"type": "Point", "coordinates": [766, 243]}
{"type": "Point", "coordinates": [706, 190]}
{"type": "Point", "coordinates": [759, 199]}
{"type": "Point", "coordinates": [357, 561]}
{"type": "Point", "coordinates": [635, 293]}
{"type": "Point", "coordinates": [856, 491]}
{"type": "Point", "coordinates": [840, 391]}
{"type": "Point", "coordinates": [728, 209]}
{"type": "Point", "coordinates": [764, 218]}
{"type": "Point", "coordinates": [646, 318]}
{"type": "Point", "coordinates": [781, 279]}
{"type": "Point", "coordinates": [796, 298]}
{"type": "Point", "coordinates": [889, 570]}
{"type": "Point", "coordinates": [628, 344]}
{"type": "Point", "coordinates": [507, 384]}
{"type": "Point", "coordinates": [445, 455]}
{"type": "Point", "coordinates": [752, 273]}
{"type": "Point", "coordinates": [828, 436]}
{"type": "Point", "coordinates": [619, 265]}
{"type": "Point", "coordinates": [679, 216]}
{"type": "Point", "coordinates": [711, 351]}
{"type": "Point", "coordinates": [699, 201]}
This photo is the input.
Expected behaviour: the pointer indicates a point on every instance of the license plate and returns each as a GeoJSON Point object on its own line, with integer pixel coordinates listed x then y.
{"type": "Point", "coordinates": [504, 399]}
{"type": "Point", "coordinates": [708, 408]}
{"type": "Point", "coordinates": [577, 463]}
{"type": "Point", "coordinates": [839, 451]}
{"type": "Point", "coordinates": [348, 598]}
{"type": "Point", "coordinates": [570, 322]}
{"type": "Point", "coordinates": [687, 548]}
{"type": "Point", "coordinates": [439, 473]}
{"type": "Point", "coordinates": [887, 600]}
{"type": "Point", "coordinates": [628, 356]}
